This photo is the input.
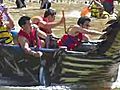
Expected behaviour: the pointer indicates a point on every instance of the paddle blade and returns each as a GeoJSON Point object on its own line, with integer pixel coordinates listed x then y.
{"type": "Point", "coordinates": [85, 11]}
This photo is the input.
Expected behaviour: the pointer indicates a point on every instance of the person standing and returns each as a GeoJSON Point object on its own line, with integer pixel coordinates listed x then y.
{"type": "Point", "coordinates": [20, 3]}
{"type": "Point", "coordinates": [46, 4]}
{"type": "Point", "coordinates": [1, 1]}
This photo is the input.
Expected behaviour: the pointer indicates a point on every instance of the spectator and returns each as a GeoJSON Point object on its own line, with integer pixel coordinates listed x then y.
{"type": "Point", "coordinates": [97, 9]}
{"type": "Point", "coordinates": [5, 28]}
{"type": "Point", "coordinates": [46, 24]}
{"type": "Point", "coordinates": [46, 4]}
{"type": "Point", "coordinates": [20, 3]}
{"type": "Point", "coordinates": [1, 1]}
{"type": "Point", "coordinates": [108, 6]}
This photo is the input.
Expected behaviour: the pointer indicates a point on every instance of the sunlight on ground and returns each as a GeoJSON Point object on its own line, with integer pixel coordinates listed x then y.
{"type": "Point", "coordinates": [74, 13]}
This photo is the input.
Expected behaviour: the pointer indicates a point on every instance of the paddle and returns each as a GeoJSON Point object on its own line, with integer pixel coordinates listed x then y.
{"type": "Point", "coordinates": [86, 10]}
{"type": "Point", "coordinates": [64, 21]}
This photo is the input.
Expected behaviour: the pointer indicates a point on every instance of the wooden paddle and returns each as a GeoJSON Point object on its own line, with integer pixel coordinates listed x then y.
{"type": "Point", "coordinates": [86, 10]}
{"type": "Point", "coordinates": [64, 21]}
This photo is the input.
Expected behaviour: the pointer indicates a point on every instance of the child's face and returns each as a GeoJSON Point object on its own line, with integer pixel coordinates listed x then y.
{"type": "Point", "coordinates": [86, 24]}
{"type": "Point", "coordinates": [51, 18]}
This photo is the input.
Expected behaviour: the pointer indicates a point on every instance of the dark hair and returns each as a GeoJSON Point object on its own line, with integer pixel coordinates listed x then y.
{"type": "Point", "coordinates": [82, 20]}
{"type": "Point", "coordinates": [22, 20]}
{"type": "Point", "coordinates": [49, 12]}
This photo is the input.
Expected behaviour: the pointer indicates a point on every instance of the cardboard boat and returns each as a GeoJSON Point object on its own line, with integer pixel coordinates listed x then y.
{"type": "Point", "coordinates": [98, 66]}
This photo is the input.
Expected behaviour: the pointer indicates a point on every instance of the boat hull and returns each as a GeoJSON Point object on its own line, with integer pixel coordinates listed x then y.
{"type": "Point", "coordinates": [20, 69]}
{"type": "Point", "coordinates": [65, 67]}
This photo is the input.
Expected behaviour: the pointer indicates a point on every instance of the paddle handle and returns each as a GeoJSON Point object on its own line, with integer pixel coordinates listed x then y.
{"type": "Point", "coordinates": [64, 21]}
{"type": "Point", "coordinates": [90, 3]}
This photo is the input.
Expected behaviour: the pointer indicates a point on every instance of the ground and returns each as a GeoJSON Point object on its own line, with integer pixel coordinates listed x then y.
{"type": "Point", "coordinates": [72, 13]}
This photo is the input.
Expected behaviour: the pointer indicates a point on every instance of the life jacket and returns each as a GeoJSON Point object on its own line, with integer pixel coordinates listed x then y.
{"type": "Point", "coordinates": [5, 35]}
{"type": "Point", "coordinates": [95, 11]}
{"type": "Point", "coordinates": [32, 38]}
{"type": "Point", "coordinates": [70, 41]}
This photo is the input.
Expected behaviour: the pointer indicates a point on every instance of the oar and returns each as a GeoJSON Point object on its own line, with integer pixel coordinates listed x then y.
{"type": "Point", "coordinates": [86, 10]}
{"type": "Point", "coordinates": [64, 21]}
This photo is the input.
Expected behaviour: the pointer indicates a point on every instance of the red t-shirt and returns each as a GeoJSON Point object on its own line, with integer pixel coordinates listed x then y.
{"type": "Point", "coordinates": [31, 38]}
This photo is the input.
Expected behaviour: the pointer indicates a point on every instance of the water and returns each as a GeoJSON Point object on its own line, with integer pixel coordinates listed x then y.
{"type": "Point", "coordinates": [37, 88]}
